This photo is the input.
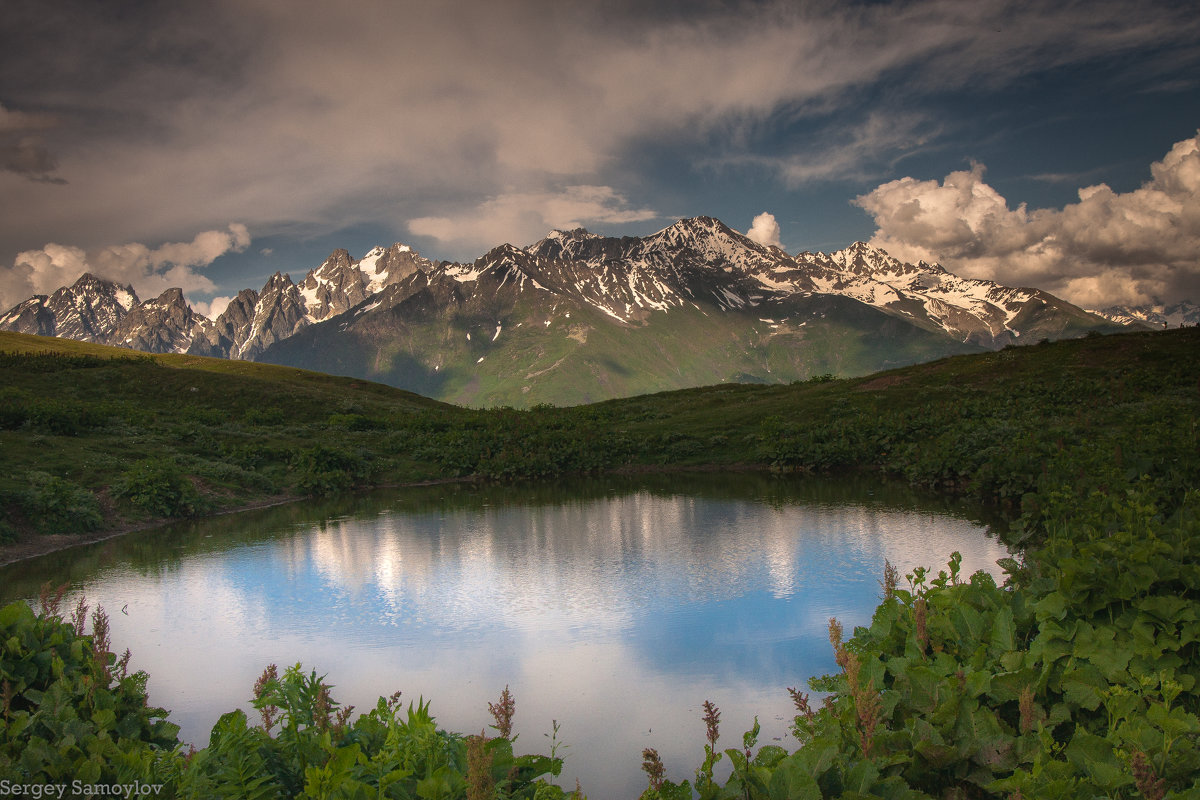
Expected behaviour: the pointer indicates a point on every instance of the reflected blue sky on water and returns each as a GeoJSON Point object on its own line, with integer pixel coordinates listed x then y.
{"type": "Point", "coordinates": [617, 616]}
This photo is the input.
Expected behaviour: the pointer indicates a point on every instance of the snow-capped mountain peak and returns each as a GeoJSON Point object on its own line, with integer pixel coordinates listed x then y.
{"type": "Point", "coordinates": [861, 258]}
{"type": "Point", "coordinates": [1154, 315]}
{"type": "Point", "coordinates": [698, 265]}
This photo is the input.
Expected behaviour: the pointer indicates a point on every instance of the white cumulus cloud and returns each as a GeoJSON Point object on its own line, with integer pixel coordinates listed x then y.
{"type": "Point", "coordinates": [149, 270]}
{"type": "Point", "coordinates": [764, 230]}
{"type": "Point", "coordinates": [1108, 248]}
{"type": "Point", "coordinates": [523, 217]}
{"type": "Point", "coordinates": [213, 308]}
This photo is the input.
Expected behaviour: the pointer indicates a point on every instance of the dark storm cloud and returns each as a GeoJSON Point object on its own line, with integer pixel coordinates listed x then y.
{"type": "Point", "coordinates": [477, 121]}
{"type": "Point", "coordinates": [27, 156]}
{"type": "Point", "coordinates": [23, 147]}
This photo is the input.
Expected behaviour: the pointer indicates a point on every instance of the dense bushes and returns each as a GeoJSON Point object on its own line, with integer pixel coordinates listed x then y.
{"type": "Point", "coordinates": [58, 506]}
{"type": "Point", "coordinates": [71, 709]}
{"type": "Point", "coordinates": [159, 488]}
{"type": "Point", "coordinates": [47, 415]}
{"type": "Point", "coordinates": [324, 470]}
{"type": "Point", "coordinates": [1077, 679]}
{"type": "Point", "coordinates": [73, 713]}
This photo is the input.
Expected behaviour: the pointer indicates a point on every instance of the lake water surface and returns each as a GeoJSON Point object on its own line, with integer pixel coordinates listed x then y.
{"type": "Point", "coordinates": [616, 607]}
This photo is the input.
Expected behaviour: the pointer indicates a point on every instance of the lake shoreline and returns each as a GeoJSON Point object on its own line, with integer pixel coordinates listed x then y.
{"type": "Point", "coordinates": [34, 545]}
{"type": "Point", "coordinates": [617, 603]}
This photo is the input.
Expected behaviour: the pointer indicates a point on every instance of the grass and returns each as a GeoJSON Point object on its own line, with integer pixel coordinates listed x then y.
{"type": "Point", "coordinates": [97, 419]}
{"type": "Point", "coordinates": [1076, 679]}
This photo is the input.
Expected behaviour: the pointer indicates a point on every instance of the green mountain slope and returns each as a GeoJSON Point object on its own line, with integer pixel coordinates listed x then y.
{"type": "Point", "coordinates": [571, 353]}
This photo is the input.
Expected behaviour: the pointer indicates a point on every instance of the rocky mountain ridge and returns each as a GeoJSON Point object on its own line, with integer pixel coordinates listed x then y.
{"type": "Point", "coordinates": [766, 299]}
{"type": "Point", "coordinates": [1153, 316]}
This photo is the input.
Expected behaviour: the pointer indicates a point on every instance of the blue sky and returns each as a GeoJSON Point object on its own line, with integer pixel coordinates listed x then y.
{"type": "Point", "coordinates": [208, 145]}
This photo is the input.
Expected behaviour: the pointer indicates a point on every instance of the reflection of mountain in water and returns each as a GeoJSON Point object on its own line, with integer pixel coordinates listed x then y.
{"type": "Point", "coordinates": [601, 563]}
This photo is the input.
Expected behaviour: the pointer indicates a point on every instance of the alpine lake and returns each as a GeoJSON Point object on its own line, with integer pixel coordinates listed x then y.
{"type": "Point", "coordinates": [611, 608]}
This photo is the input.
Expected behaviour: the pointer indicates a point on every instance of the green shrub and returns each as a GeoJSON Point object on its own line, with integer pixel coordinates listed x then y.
{"type": "Point", "coordinates": [322, 470]}
{"type": "Point", "coordinates": [160, 489]}
{"type": "Point", "coordinates": [61, 418]}
{"type": "Point", "coordinates": [264, 416]}
{"type": "Point", "coordinates": [1077, 679]}
{"type": "Point", "coordinates": [72, 711]}
{"type": "Point", "coordinates": [57, 505]}
{"type": "Point", "coordinates": [353, 422]}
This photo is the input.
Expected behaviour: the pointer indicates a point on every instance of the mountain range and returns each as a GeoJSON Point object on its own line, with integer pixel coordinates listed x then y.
{"type": "Point", "coordinates": [577, 317]}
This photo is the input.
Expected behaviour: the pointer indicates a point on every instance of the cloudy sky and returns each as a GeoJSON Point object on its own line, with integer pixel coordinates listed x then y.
{"type": "Point", "coordinates": [206, 145]}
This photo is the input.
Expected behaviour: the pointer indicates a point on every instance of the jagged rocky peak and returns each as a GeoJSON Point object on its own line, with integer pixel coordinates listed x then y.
{"type": "Point", "coordinates": [864, 259]}
{"type": "Point", "coordinates": [171, 298]}
{"type": "Point", "coordinates": [580, 244]}
{"type": "Point", "coordinates": [279, 313]}
{"type": "Point", "coordinates": [380, 265]}
{"type": "Point", "coordinates": [504, 257]}
{"type": "Point", "coordinates": [224, 337]}
{"type": "Point", "coordinates": [278, 283]}
{"type": "Point", "coordinates": [90, 284]}
{"type": "Point", "coordinates": [566, 240]}
{"type": "Point", "coordinates": [335, 286]}
{"type": "Point", "coordinates": [575, 234]}
{"type": "Point", "coordinates": [31, 316]}
{"type": "Point", "coordinates": [694, 229]}
{"type": "Point", "coordinates": [166, 324]}
{"type": "Point", "coordinates": [386, 266]}
{"type": "Point", "coordinates": [338, 259]}
{"type": "Point", "coordinates": [90, 308]}
{"type": "Point", "coordinates": [711, 241]}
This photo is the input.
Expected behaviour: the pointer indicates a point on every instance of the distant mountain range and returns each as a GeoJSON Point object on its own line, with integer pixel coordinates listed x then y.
{"type": "Point", "coordinates": [578, 317]}
{"type": "Point", "coordinates": [1153, 316]}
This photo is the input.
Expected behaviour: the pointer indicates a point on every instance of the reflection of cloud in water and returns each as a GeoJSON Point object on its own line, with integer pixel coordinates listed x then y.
{"type": "Point", "coordinates": [613, 616]}
{"type": "Point", "coordinates": [600, 565]}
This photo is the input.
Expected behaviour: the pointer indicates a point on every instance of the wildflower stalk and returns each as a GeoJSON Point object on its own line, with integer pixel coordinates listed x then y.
{"type": "Point", "coordinates": [1145, 778]}
{"type": "Point", "coordinates": [503, 712]}
{"type": "Point", "coordinates": [920, 612]}
{"type": "Point", "coordinates": [480, 785]}
{"type": "Point", "coordinates": [890, 577]}
{"type": "Point", "coordinates": [100, 646]}
{"type": "Point", "coordinates": [868, 704]}
{"type": "Point", "coordinates": [653, 767]}
{"type": "Point", "coordinates": [50, 599]}
{"type": "Point", "coordinates": [712, 722]}
{"type": "Point", "coordinates": [805, 720]}
{"type": "Point", "coordinates": [261, 686]}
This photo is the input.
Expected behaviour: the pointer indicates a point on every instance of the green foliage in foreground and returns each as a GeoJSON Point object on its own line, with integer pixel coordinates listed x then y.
{"type": "Point", "coordinates": [1077, 679]}
{"type": "Point", "coordinates": [71, 712]}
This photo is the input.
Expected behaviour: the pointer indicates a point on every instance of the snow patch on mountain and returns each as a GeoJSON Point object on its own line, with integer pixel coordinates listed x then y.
{"type": "Point", "coordinates": [697, 263]}
{"type": "Point", "coordinates": [1156, 315]}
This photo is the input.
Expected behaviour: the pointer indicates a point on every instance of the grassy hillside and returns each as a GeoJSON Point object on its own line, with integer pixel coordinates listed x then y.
{"type": "Point", "coordinates": [571, 353]}
{"type": "Point", "coordinates": [98, 437]}
{"type": "Point", "coordinates": [1076, 679]}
